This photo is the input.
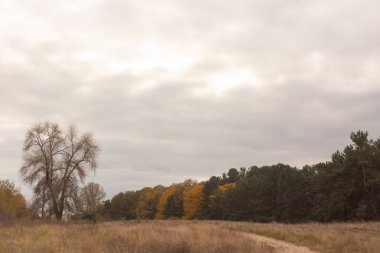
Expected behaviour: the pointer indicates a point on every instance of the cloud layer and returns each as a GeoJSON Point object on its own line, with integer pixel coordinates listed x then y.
{"type": "Point", "coordinates": [180, 89]}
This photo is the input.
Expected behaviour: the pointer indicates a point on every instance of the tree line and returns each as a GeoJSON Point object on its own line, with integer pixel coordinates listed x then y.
{"type": "Point", "coordinates": [343, 189]}
{"type": "Point", "coordinates": [56, 163]}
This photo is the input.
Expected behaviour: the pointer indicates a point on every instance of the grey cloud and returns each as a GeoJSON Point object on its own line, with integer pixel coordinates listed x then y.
{"type": "Point", "coordinates": [106, 67]}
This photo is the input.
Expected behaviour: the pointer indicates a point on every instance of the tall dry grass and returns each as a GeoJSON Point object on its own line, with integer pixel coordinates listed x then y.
{"type": "Point", "coordinates": [185, 236]}
{"type": "Point", "coordinates": [136, 237]}
{"type": "Point", "coordinates": [329, 238]}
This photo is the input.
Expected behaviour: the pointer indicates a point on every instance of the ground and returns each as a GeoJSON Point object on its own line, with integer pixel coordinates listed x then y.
{"type": "Point", "coordinates": [189, 236]}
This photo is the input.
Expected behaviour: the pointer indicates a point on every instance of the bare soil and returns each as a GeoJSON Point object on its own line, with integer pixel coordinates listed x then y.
{"type": "Point", "coordinates": [279, 246]}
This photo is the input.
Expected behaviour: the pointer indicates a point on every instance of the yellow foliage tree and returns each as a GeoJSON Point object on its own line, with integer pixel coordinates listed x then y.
{"type": "Point", "coordinates": [148, 201]}
{"type": "Point", "coordinates": [163, 200]}
{"type": "Point", "coordinates": [216, 200]}
{"type": "Point", "coordinates": [11, 200]}
{"type": "Point", "coordinates": [171, 202]}
{"type": "Point", "coordinates": [225, 187]}
{"type": "Point", "coordinates": [192, 201]}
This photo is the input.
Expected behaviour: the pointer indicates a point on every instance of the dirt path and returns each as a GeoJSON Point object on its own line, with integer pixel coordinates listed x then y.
{"type": "Point", "coordinates": [280, 246]}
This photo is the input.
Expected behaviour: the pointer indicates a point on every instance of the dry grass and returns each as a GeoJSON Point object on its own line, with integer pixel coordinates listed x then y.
{"type": "Point", "coordinates": [137, 237]}
{"type": "Point", "coordinates": [186, 236]}
{"type": "Point", "coordinates": [332, 238]}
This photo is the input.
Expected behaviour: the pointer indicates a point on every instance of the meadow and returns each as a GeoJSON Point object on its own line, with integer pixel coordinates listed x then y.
{"type": "Point", "coordinates": [330, 238]}
{"type": "Point", "coordinates": [186, 236]}
{"type": "Point", "coordinates": [136, 237]}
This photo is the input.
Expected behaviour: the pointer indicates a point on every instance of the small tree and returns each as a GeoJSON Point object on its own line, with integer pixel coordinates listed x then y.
{"type": "Point", "coordinates": [91, 198]}
{"type": "Point", "coordinates": [12, 203]}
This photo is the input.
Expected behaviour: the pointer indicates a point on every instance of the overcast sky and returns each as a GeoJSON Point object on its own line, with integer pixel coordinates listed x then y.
{"type": "Point", "coordinates": [188, 89]}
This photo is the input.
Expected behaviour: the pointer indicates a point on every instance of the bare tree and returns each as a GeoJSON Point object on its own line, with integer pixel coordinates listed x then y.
{"type": "Point", "coordinates": [56, 162]}
{"type": "Point", "coordinates": [41, 205]}
{"type": "Point", "coordinates": [91, 197]}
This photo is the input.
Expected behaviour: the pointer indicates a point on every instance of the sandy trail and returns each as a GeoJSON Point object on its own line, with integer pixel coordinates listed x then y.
{"type": "Point", "coordinates": [280, 246]}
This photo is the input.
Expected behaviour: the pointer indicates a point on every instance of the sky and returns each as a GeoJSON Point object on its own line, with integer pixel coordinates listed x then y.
{"type": "Point", "coordinates": [188, 89]}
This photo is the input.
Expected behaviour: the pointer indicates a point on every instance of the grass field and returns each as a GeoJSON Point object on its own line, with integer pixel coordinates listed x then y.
{"type": "Point", "coordinates": [185, 236]}
{"type": "Point", "coordinates": [141, 237]}
{"type": "Point", "coordinates": [331, 238]}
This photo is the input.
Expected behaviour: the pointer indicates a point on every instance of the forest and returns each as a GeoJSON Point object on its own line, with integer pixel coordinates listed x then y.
{"type": "Point", "coordinates": [346, 188]}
